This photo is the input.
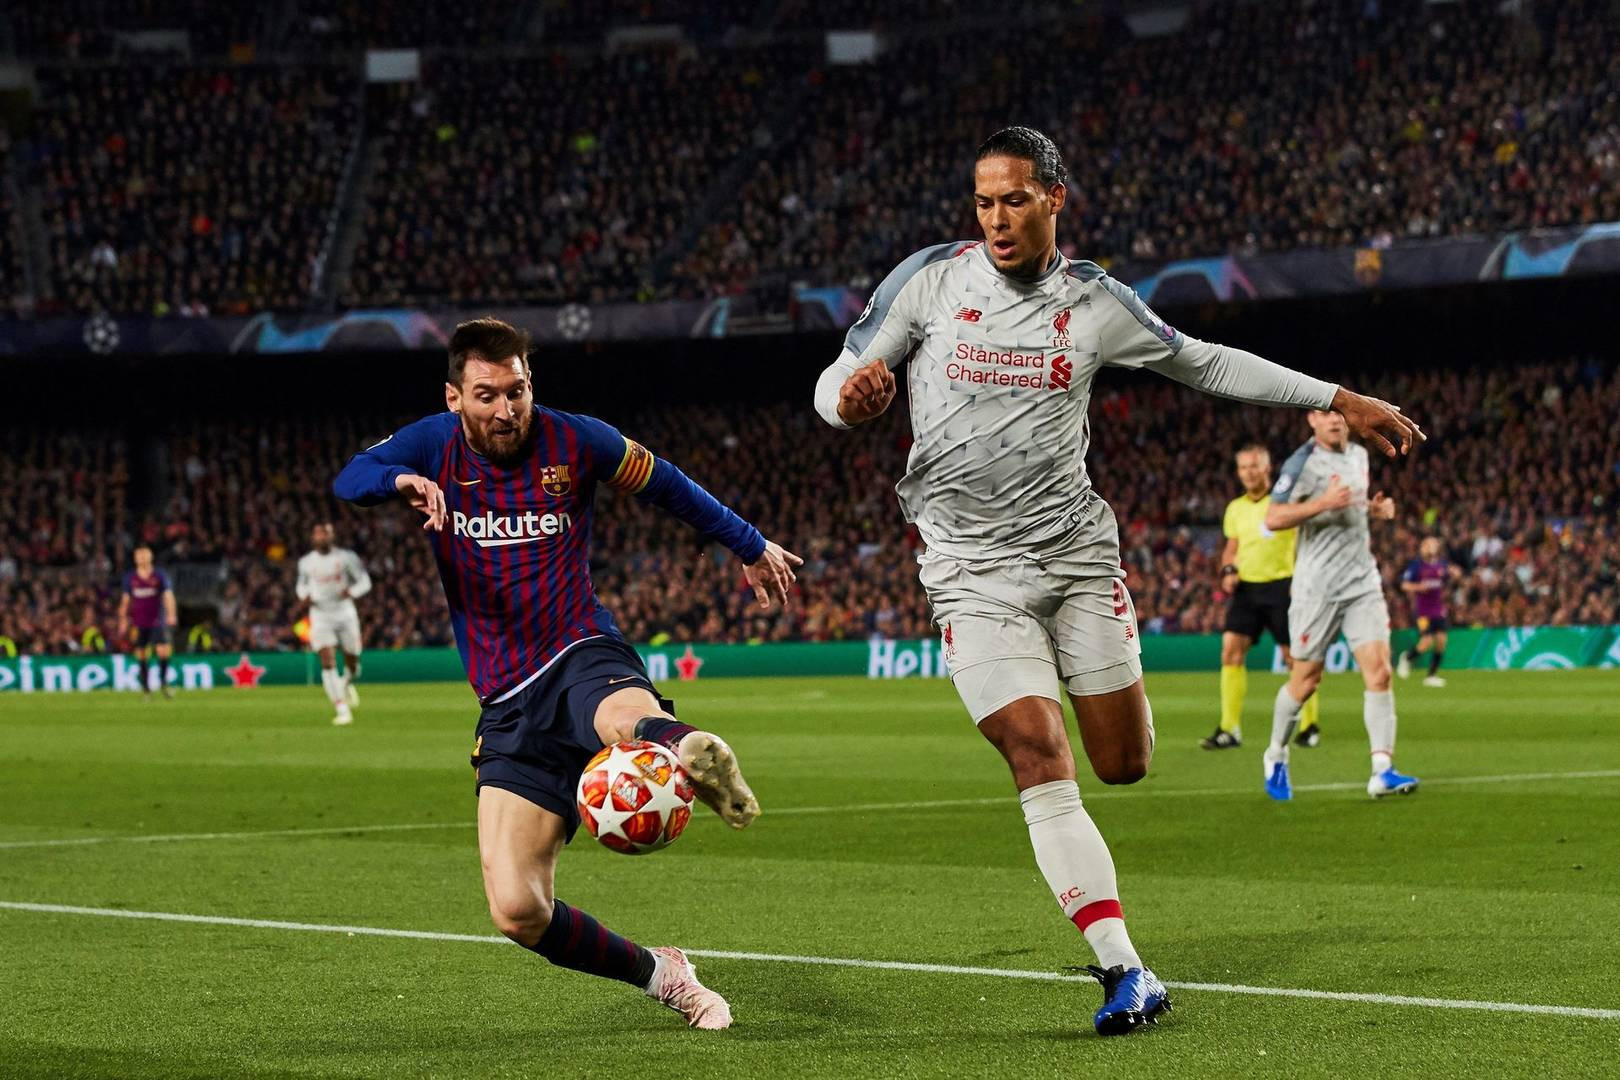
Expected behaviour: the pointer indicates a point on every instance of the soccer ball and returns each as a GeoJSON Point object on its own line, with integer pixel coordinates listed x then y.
{"type": "Point", "coordinates": [634, 797]}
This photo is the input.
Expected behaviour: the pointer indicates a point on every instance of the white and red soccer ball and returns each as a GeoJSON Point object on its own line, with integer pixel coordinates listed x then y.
{"type": "Point", "coordinates": [634, 797]}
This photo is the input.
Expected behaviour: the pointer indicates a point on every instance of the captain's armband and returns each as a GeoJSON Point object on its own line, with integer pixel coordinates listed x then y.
{"type": "Point", "coordinates": [635, 468]}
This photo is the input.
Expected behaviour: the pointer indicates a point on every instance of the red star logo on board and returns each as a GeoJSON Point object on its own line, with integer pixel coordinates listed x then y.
{"type": "Point", "coordinates": [687, 665]}
{"type": "Point", "coordinates": [246, 673]}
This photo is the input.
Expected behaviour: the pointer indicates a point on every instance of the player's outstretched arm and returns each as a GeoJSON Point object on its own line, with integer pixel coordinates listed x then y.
{"type": "Point", "coordinates": [1133, 336]}
{"type": "Point", "coordinates": [1292, 515]}
{"type": "Point", "coordinates": [625, 465]}
{"type": "Point", "coordinates": [401, 465]}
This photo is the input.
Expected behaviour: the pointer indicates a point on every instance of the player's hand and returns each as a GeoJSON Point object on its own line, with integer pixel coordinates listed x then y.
{"type": "Point", "coordinates": [866, 393]}
{"type": "Point", "coordinates": [1378, 422]}
{"type": "Point", "coordinates": [1382, 507]}
{"type": "Point", "coordinates": [425, 495]}
{"type": "Point", "coordinates": [1336, 497]}
{"type": "Point", "coordinates": [1229, 584]}
{"type": "Point", "coordinates": [772, 573]}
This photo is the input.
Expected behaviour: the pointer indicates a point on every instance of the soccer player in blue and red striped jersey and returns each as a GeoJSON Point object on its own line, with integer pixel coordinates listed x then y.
{"type": "Point", "coordinates": [507, 488]}
{"type": "Point", "coordinates": [1424, 582]}
{"type": "Point", "coordinates": [146, 614]}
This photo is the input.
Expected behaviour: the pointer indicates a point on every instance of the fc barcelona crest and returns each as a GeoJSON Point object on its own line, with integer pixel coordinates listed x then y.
{"type": "Point", "coordinates": [554, 480]}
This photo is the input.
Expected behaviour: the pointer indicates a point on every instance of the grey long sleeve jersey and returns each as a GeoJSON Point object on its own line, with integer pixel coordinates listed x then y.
{"type": "Point", "coordinates": [999, 384]}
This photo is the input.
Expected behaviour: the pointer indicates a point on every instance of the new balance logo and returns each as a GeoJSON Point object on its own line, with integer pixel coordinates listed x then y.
{"type": "Point", "coordinates": [1062, 371]}
{"type": "Point", "coordinates": [487, 530]}
{"type": "Point", "coordinates": [968, 314]}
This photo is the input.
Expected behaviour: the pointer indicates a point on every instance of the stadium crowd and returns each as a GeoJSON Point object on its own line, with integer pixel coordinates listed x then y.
{"type": "Point", "coordinates": [555, 181]}
{"type": "Point", "coordinates": [1520, 478]}
{"type": "Point", "coordinates": [578, 173]}
{"type": "Point", "coordinates": [1329, 124]}
{"type": "Point", "coordinates": [192, 190]}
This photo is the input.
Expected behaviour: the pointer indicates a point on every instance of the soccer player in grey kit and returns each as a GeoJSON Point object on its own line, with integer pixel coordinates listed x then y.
{"type": "Point", "coordinates": [1323, 491]}
{"type": "Point", "coordinates": [1022, 567]}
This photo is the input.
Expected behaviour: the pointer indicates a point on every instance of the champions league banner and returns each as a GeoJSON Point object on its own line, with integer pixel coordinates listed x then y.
{"type": "Point", "coordinates": [1566, 252]}
{"type": "Point", "coordinates": [378, 329]}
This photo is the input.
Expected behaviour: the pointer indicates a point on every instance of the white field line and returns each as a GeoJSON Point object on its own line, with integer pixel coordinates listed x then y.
{"type": "Point", "coordinates": [846, 808]}
{"type": "Point", "coordinates": [834, 961]}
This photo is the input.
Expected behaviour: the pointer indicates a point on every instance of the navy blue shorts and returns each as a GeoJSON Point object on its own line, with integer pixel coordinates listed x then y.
{"type": "Point", "coordinates": [1432, 624]}
{"type": "Point", "coordinates": [537, 742]}
{"type": "Point", "coordinates": [151, 635]}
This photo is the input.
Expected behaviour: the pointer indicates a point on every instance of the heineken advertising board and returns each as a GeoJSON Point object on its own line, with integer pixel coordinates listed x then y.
{"type": "Point", "coordinates": [1523, 648]}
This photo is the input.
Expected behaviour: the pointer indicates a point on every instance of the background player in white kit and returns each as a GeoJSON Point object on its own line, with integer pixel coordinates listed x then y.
{"type": "Point", "coordinates": [330, 579]}
{"type": "Point", "coordinates": [1323, 491]}
{"type": "Point", "coordinates": [1022, 567]}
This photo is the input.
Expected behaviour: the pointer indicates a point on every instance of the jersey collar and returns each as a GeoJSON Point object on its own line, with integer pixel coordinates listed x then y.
{"type": "Point", "coordinates": [1056, 268]}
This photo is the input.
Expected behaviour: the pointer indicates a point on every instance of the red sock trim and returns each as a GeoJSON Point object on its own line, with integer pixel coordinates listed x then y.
{"type": "Point", "coordinates": [1097, 909]}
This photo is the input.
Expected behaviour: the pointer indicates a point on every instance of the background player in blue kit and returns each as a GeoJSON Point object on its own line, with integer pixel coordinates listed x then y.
{"type": "Point", "coordinates": [507, 487]}
{"type": "Point", "coordinates": [146, 617]}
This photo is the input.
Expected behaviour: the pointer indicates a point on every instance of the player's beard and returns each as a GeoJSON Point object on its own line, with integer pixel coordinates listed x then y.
{"type": "Point", "coordinates": [503, 449]}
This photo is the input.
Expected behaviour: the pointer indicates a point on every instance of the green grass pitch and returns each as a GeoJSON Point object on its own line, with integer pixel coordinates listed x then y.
{"type": "Point", "coordinates": [1497, 881]}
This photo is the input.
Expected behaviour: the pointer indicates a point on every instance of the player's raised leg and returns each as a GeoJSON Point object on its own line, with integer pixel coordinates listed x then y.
{"type": "Point", "coordinates": [637, 713]}
{"type": "Point", "coordinates": [518, 845]}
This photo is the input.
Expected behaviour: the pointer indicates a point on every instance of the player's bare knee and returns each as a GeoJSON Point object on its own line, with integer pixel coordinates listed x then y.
{"type": "Point", "coordinates": [1122, 765]}
{"type": "Point", "coordinates": [1037, 758]}
{"type": "Point", "coordinates": [519, 914]}
{"type": "Point", "coordinates": [1377, 677]}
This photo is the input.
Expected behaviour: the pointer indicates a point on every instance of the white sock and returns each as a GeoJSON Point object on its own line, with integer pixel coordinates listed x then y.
{"type": "Point", "coordinates": [332, 682]}
{"type": "Point", "coordinates": [1284, 722]}
{"type": "Point", "coordinates": [1075, 862]}
{"type": "Point", "coordinates": [1378, 713]}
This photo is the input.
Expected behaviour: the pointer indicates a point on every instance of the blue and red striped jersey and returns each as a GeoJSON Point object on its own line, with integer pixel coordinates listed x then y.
{"type": "Point", "coordinates": [514, 555]}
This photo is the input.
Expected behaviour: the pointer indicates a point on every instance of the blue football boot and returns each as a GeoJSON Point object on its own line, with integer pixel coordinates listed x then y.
{"type": "Point", "coordinates": [1390, 782]}
{"type": "Point", "coordinates": [1277, 785]}
{"type": "Point", "coordinates": [1132, 997]}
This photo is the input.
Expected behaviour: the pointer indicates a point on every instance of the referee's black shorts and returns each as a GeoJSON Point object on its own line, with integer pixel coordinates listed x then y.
{"type": "Point", "coordinates": [1260, 606]}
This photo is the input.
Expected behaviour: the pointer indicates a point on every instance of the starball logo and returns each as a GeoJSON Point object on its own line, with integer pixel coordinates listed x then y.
{"type": "Point", "coordinates": [489, 529]}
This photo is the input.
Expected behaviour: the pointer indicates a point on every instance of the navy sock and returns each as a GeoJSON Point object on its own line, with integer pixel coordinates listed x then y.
{"type": "Point", "coordinates": [1434, 661]}
{"type": "Point", "coordinates": [1412, 654]}
{"type": "Point", "coordinates": [660, 729]}
{"type": "Point", "coordinates": [163, 672]}
{"type": "Point", "coordinates": [575, 940]}
{"type": "Point", "coordinates": [144, 687]}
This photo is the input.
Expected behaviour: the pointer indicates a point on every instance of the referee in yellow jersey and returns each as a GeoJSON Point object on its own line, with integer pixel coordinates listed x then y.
{"type": "Point", "coordinates": [1257, 567]}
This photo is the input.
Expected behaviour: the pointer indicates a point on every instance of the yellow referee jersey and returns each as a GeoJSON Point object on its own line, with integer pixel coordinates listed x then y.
{"type": "Point", "coordinates": [1262, 555]}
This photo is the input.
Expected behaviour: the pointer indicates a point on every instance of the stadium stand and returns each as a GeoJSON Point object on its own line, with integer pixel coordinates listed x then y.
{"type": "Point", "coordinates": [571, 173]}
{"type": "Point", "coordinates": [555, 181]}
{"type": "Point", "coordinates": [244, 494]}
{"type": "Point", "coordinates": [190, 190]}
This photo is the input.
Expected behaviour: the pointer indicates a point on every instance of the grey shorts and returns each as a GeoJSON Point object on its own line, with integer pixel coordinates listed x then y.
{"type": "Point", "coordinates": [1017, 627]}
{"type": "Point", "coordinates": [1315, 623]}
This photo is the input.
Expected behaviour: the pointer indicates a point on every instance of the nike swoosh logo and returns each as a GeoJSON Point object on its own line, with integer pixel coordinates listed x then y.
{"type": "Point", "coordinates": [468, 483]}
{"type": "Point", "coordinates": [621, 678]}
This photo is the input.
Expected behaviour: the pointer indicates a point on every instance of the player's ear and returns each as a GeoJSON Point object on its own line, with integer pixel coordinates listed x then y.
{"type": "Point", "coordinates": [452, 397]}
{"type": "Point", "coordinates": [1059, 194]}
